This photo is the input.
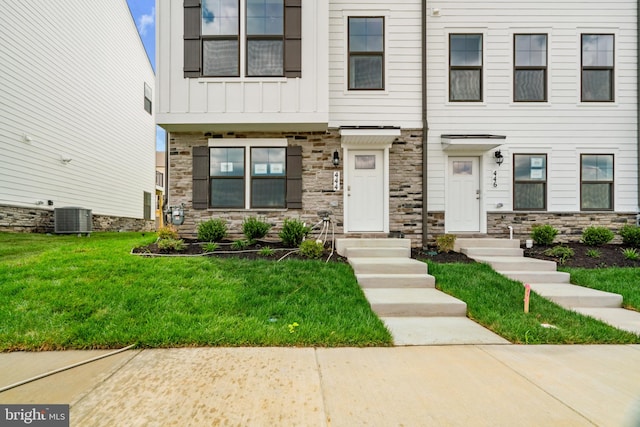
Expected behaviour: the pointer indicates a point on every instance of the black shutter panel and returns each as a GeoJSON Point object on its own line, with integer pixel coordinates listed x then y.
{"type": "Point", "coordinates": [294, 177]}
{"type": "Point", "coordinates": [200, 197]}
{"type": "Point", "coordinates": [192, 38]}
{"type": "Point", "coordinates": [293, 38]}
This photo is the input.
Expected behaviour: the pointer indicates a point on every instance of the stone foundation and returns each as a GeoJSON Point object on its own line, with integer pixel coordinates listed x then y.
{"type": "Point", "coordinates": [35, 220]}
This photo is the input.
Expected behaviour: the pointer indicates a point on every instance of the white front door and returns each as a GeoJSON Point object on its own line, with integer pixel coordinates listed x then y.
{"type": "Point", "coordinates": [365, 191]}
{"type": "Point", "coordinates": [463, 195]}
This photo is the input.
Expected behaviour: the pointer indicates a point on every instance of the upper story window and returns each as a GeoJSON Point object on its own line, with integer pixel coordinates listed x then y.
{"type": "Point", "coordinates": [597, 67]}
{"type": "Point", "coordinates": [242, 38]}
{"type": "Point", "coordinates": [530, 68]}
{"type": "Point", "coordinates": [148, 95]}
{"type": "Point", "coordinates": [596, 181]}
{"type": "Point", "coordinates": [530, 182]}
{"type": "Point", "coordinates": [465, 67]}
{"type": "Point", "coordinates": [366, 53]}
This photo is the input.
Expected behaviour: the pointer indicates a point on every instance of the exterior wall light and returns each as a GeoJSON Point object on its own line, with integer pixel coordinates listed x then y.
{"type": "Point", "coordinates": [336, 158]}
{"type": "Point", "coordinates": [498, 157]}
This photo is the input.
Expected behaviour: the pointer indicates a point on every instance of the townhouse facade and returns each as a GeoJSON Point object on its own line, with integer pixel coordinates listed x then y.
{"type": "Point", "coordinates": [406, 119]}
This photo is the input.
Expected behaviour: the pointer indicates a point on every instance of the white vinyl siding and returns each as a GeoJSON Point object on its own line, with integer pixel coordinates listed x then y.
{"type": "Point", "coordinates": [72, 81]}
{"type": "Point", "coordinates": [561, 128]}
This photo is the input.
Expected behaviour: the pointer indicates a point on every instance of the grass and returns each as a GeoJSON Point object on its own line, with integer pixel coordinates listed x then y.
{"type": "Point", "coordinates": [63, 292]}
{"type": "Point", "coordinates": [623, 281]}
{"type": "Point", "coordinates": [497, 303]}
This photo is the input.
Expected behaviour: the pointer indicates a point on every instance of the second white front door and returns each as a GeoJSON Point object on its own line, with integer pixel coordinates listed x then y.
{"type": "Point", "coordinates": [365, 191]}
{"type": "Point", "coordinates": [463, 195]}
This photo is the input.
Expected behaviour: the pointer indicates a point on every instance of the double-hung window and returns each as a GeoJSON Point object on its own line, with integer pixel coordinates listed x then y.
{"type": "Point", "coordinates": [221, 38]}
{"type": "Point", "coordinates": [366, 53]}
{"type": "Point", "coordinates": [597, 67]}
{"type": "Point", "coordinates": [530, 68]}
{"type": "Point", "coordinates": [265, 38]}
{"type": "Point", "coordinates": [530, 182]}
{"type": "Point", "coordinates": [596, 186]}
{"type": "Point", "coordinates": [465, 67]}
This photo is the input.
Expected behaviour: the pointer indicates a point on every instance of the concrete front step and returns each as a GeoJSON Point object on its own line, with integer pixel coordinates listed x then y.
{"type": "Point", "coordinates": [381, 252]}
{"type": "Point", "coordinates": [343, 244]}
{"type": "Point", "coordinates": [387, 266]}
{"type": "Point", "coordinates": [410, 302]}
{"type": "Point", "coordinates": [537, 276]}
{"type": "Point", "coordinates": [506, 263]}
{"type": "Point", "coordinates": [485, 243]}
{"type": "Point", "coordinates": [627, 320]}
{"type": "Point", "coordinates": [571, 296]}
{"type": "Point", "coordinates": [474, 252]}
{"type": "Point", "coordinates": [396, 280]}
{"type": "Point", "coordinates": [439, 331]}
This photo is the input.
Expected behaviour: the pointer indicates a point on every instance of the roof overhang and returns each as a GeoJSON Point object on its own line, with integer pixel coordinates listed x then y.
{"type": "Point", "coordinates": [471, 142]}
{"type": "Point", "coordinates": [369, 135]}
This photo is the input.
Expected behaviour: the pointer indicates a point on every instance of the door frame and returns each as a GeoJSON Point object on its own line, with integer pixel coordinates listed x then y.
{"type": "Point", "coordinates": [349, 149]}
{"type": "Point", "coordinates": [482, 212]}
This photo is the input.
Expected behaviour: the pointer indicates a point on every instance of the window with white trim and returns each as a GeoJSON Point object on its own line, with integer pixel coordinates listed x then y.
{"type": "Point", "coordinates": [596, 182]}
{"type": "Point", "coordinates": [366, 53]}
{"type": "Point", "coordinates": [530, 67]}
{"type": "Point", "coordinates": [530, 182]}
{"type": "Point", "coordinates": [465, 67]}
{"type": "Point", "coordinates": [597, 67]}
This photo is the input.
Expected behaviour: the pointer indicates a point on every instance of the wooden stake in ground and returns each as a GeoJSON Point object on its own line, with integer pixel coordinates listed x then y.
{"type": "Point", "coordinates": [527, 293]}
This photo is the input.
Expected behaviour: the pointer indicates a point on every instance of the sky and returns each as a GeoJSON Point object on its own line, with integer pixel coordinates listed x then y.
{"type": "Point", "coordinates": [144, 15]}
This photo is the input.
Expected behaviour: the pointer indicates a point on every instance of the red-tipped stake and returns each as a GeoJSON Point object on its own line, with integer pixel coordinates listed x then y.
{"type": "Point", "coordinates": [527, 293]}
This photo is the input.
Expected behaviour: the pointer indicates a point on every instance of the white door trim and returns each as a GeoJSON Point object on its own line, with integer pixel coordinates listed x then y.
{"type": "Point", "coordinates": [346, 149]}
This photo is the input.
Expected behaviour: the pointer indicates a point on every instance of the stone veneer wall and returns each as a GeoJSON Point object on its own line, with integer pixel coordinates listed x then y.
{"type": "Point", "coordinates": [36, 220]}
{"type": "Point", "coordinates": [569, 224]}
{"type": "Point", "coordinates": [317, 181]}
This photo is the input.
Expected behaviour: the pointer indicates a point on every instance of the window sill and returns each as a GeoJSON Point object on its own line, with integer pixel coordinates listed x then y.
{"type": "Point", "coordinates": [242, 210]}
{"type": "Point", "coordinates": [204, 80]}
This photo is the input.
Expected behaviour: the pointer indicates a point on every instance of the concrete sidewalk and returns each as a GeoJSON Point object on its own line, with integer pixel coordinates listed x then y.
{"type": "Point", "coordinates": [410, 386]}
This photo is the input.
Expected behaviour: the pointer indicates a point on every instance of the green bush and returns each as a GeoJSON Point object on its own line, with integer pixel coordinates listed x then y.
{"type": "Point", "coordinates": [210, 247]}
{"type": "Point", "coordinates": [239, 245]}
{"type": "Point", "coordinates": [293, 232]}
{"type": "Point", "coordinates": [171, 245]}
{"type": "Point", "coordinates": [630, 235]}
{"type": "Point", "coordinates": [266, 251]}
{"type": "Point", "coordinates": [445, 242]}
{"type": "Point", "coordinates": [563, 253]}
{"type": "Point", "coordinates": [630, 253]}
{"type": "Point", "coordinates": [212, 230]}
{"type": "Point", "coordinates": [596, 236]}
{"type": "Point", "coordinates": [255, 228]}
{"type": "Point", "coordinates": [312, 249]}
{"type": "Point", "coordinates": [167, 232]}
{"type": "Point", "coordinates": [543, 234]}
{"type": "Point", "coordinates": [593, 253]}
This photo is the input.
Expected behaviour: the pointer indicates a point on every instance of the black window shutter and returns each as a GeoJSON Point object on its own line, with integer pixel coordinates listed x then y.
{"type": "Point", "coordinates": [192, 38]}
{"type": "Point", "coordinates": [200, 197]}
{"type": "Point", "coordinates": [294, 177]}
{"type": "Point", "coordinates": [293, 38]}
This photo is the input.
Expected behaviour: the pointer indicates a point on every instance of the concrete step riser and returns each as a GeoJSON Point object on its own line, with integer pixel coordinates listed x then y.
{"type": "Point", "coordinates": [343, 244]}
{"type": "Point", "coordinates": [590, 302]}
{"type": "Point", "coordinates": [396, 281]}
{"type": "Point", "coordinates": [389, 269]}
{"type": "Point", "coordinates": [420, 310]}
{"type": "Point", "coordinates": [485, 243]}
{"type": "Point", "coordinates": [511, 252]}
{"type": "Point", "coordinates": [378, 253]}
{"type": "Point", "coordinates": [537, 277]}
{"type": "Point", "coordinates": [523, 265]}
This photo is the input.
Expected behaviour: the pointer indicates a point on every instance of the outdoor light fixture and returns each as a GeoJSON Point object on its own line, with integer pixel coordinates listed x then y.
{"type": "Point", "coordinates": [336, 158]}
{"type": "Point", "coordinates": [499, 158]}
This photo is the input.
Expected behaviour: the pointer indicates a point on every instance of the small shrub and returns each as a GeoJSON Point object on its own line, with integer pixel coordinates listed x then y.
{"type": "Point", "coordinates": [563, 253]}
{"type": "Point", "coordinates": [312, 249]}
{"type": "Point", "coordinates": [543, 234]}
{"type": "Point", "coordinates": [293, 232]}
{"type": "Point", "coordinates": [255, 228]}
{"type": "Point", "coordinates": [630, 235]}
{"type": "Point", "coordinates": [239, 245]}
{"type": "Point", "coordinates": [596, 236]}
{"type": "Point", "coordinates": [593, 253]}
{"type": "Point", "coordinates": [631, 254]}
{"type": "Point", "coordinates": [266, 251]}
{"type": "Point", "coordinates": [210, 247]}
{"type": "Point", "coordinates": [171, 245]}
{"type": "Point", "coordinates": [167, 232]}
{"type": "Point", "coordinates": [212, 230]}
{"type": "Point", "coordinates": [445, 242]}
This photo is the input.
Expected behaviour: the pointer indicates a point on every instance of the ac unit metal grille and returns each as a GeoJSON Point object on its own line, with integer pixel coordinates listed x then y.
{"type": "Point", "coordinates": [72, 220]}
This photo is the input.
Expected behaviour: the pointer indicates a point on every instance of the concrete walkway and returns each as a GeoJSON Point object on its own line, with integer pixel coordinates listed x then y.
{"type": "Point", "coordinates": [410, 386]}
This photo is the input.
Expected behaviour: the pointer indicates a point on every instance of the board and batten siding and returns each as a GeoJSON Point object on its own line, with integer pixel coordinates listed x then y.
{"type": "Point", "coordinates": [72, 79]}
{"type": "Point", "coordinates": [242, 103]}
{"type": "Point", "coordinates": [563, 127]}
{"type": "Point", "coordinates": [399, 104]}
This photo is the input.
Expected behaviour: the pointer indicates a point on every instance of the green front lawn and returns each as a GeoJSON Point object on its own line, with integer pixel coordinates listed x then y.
{"type": "Point", "coordinates": [623, 281]}
{"type": "Point", "coordinates": [61, 292]}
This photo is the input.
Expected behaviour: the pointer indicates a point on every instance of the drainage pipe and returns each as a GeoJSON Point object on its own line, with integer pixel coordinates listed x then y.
{"type": "Point", "coordinates": [638, 107]}
{"type": "Point", "coordinates": [425, 127]}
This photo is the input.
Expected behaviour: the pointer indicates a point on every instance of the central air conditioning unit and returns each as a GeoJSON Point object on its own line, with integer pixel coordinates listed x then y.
{"type": "Point", "coordinates": [72, 220]}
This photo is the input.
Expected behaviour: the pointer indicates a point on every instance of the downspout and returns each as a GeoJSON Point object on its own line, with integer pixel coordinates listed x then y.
{"type": "Point", "coordinates": [638, 106]}
{"type": "Point", "coordinates": [425, 127]}
{"type": "Point", "coordinates": [166, 176]}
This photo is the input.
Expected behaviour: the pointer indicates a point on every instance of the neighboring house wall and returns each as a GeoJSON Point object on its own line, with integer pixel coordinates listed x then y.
{"type": "Point", "coordinates": [73, 87]}
{"type": "Point", "coordinates": [562, 128]}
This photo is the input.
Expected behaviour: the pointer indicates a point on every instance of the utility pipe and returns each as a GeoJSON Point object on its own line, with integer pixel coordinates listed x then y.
{"type": "Point", "coordinates": [425, 128]}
